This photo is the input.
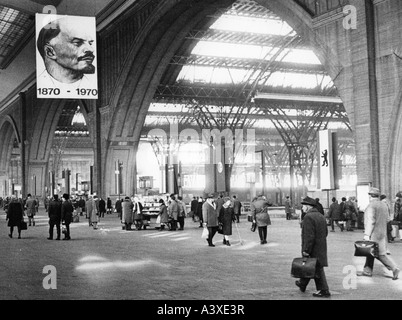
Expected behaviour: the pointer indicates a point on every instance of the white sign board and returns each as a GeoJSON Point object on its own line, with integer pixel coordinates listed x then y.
{"type": "Point", "coordinates": [66, 64]}
{"type": "Point", "coordinates": [325, 161]}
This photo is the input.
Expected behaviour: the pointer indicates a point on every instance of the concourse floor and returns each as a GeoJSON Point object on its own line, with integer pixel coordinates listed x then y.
{"type": "Point", "coordinates": [113, 264]}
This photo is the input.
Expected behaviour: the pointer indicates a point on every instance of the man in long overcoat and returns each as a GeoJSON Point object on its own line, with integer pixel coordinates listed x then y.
{"type": "Point", "coordinates": [67, 214]}
{"type": "Point", "coordinates": [210, 218]}
{"type": "Point", "coordinates": [375, 229]}
{"type": "Point", "coordinates": [173, 211]}
{"type": "Point", "coordinates": [54, 213]}
{"type": "Point", "coordinates": [127, 213]}
{"type": "Point", "coordinates": [237, 208]}
{"type": "Point", "coordinates": [15, 216]}
{"type": "Point", "coordinates": [334, 214]}
{"type": "Point", "coordinates": [314, 245]}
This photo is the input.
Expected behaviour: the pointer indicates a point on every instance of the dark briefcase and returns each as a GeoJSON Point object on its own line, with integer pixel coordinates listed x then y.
{"type": "Point", "coordinates": [365, 248]}
{"type": "Point", "coordinates": [304, 267]}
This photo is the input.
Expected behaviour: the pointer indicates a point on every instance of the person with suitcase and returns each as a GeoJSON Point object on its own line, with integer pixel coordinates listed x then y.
{"type": "Point", "coordinates": [314, 245]}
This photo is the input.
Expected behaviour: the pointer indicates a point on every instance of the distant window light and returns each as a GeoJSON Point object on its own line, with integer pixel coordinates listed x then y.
{"type": "Point", "coordinates": [78, 118]}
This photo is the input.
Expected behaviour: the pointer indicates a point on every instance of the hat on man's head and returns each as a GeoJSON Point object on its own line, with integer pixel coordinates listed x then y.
{"type": "Point", "coordinates": [399, 194]}
{"type": "Point", "coordinates": [309, 201]}
{"type": "Point", "coordinates": [226, 199]}
{"type": "Point", "coordinates": [374, 191]}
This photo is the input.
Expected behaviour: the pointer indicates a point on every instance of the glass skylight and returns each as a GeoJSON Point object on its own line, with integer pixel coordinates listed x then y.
{"type": "Point", "coordinates": [254, 25]}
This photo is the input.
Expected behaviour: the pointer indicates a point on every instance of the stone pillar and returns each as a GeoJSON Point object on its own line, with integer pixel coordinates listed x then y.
{"type": "Point", "coordinates": [125, 153]}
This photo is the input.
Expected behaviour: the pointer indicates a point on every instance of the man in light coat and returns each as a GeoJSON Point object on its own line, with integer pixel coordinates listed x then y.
{"type": "Point", "coordinates": [173, 212]}
{"type": "Point", "coordinates": [88, 209]}
{"type": "Point", "coordinates": [95, 212]}
{"type": "Point", "coordinates": [375, 229]}
{"type": "Point", "coordinates": [127, 213]}
{"type": "Point", "coordinates": [314, 245]}
{"type": "Point", "coordinates": [210, 218]}
{"type": "Point", "coordinates": [31, 209]}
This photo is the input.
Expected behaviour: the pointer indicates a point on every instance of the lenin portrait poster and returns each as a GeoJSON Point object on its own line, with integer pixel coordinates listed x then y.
{"type": "Point", "coordinates": [66, 57]}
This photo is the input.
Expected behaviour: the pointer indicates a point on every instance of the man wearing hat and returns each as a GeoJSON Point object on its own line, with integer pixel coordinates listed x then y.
{"type": "Point", "coordinates": [314, 245]}
{"type": "Point", "coordinates": [375, 229]}
{"type": "Point", "coordinates": [210, 218]}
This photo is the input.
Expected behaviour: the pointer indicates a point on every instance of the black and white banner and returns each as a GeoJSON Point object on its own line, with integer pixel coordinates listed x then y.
{"type": "Point", "coordinates": [66, 65]}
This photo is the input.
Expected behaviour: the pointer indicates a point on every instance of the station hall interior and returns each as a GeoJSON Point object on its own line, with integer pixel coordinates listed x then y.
{"type": "Point", "coordinates": [266, 76]}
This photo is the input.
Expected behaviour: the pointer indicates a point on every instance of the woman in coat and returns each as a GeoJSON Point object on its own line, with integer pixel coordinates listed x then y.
{"type": "Point", "coordinates": [163, 213]}
{"type": "Point", "coordinates": [127, 213]}
{"type": "Point", "coordinates": [15, 215]}
{"type": "Point", "coordinates": [226, 218]}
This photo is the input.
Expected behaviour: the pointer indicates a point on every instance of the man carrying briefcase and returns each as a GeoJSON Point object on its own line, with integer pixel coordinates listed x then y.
{"type": "Point", "coordinates": [314, 245]}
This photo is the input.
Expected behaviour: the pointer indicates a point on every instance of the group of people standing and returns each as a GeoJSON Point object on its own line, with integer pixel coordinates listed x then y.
{"type": "Point", "coordinates": [344, 213]}
{"type": "Point", "coordinates": [59, 212]}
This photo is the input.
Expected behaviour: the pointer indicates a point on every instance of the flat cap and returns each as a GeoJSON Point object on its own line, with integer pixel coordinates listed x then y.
{"type": "Point", "coordinates": [374, 191]}
{"type": "Point", "coordinates": [309, 201]}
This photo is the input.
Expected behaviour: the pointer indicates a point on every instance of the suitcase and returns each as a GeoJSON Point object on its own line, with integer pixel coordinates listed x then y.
{"type": "Point", "coordinates": [304, 267]}
{"type": "Point", "coordinates": [366, 248]}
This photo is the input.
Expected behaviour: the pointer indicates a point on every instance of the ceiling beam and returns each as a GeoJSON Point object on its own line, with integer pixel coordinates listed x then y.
{"type": "Point", "coordinates": [247, 63]}
{"type": "Point", "coordinates": [297, 98]}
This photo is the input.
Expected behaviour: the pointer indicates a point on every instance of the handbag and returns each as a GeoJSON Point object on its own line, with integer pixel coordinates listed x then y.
{"type": "Point", "coordinates": [24, 225]}
{"type": "Point", "coordinates": [205, 233]}
{"type": "Point", "coordinates": [220, 228]}
{"type": "Point", "coordinates": [63, 230]}
{"type": "Point", "coordinates": [304, 267]}
{"type": "Point", "coordinates": [365, 248]}
{"type": "Point", "coordinates": [253, 226]}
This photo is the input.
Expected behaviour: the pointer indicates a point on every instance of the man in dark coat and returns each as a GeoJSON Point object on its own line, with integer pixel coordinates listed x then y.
{"type": "Point", "coordinates": [109, 206]}
{"type": "Point", "coordinates": [67, 215]}
{"type": "Point", "coordinates": [54, 213]}
{"type": "Point", "coordinates": [118, 208]}
{"type": "Point", "coordinates": [193, 208]}
{"type": "Point", "coordinates": [334, 214]}
{"type": "Point", "coordinates": [81, 204]}
{"type": "Point", "coordinates": [314, 245]}
{"type": "Point", "coordinates": [320, 208]}
{"type": "Point", "coordinates": [15, 216]}
{"type": "Point", "coordinates": [102, 207]}
{"type": "Point", "coordinates": [237, 208]}
{"type": "Point", "coordinates": [210, 218]}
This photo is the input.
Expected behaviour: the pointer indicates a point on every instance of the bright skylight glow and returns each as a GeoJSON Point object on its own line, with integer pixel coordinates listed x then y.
{"type": "Point", "coordinates": [255, 25]}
